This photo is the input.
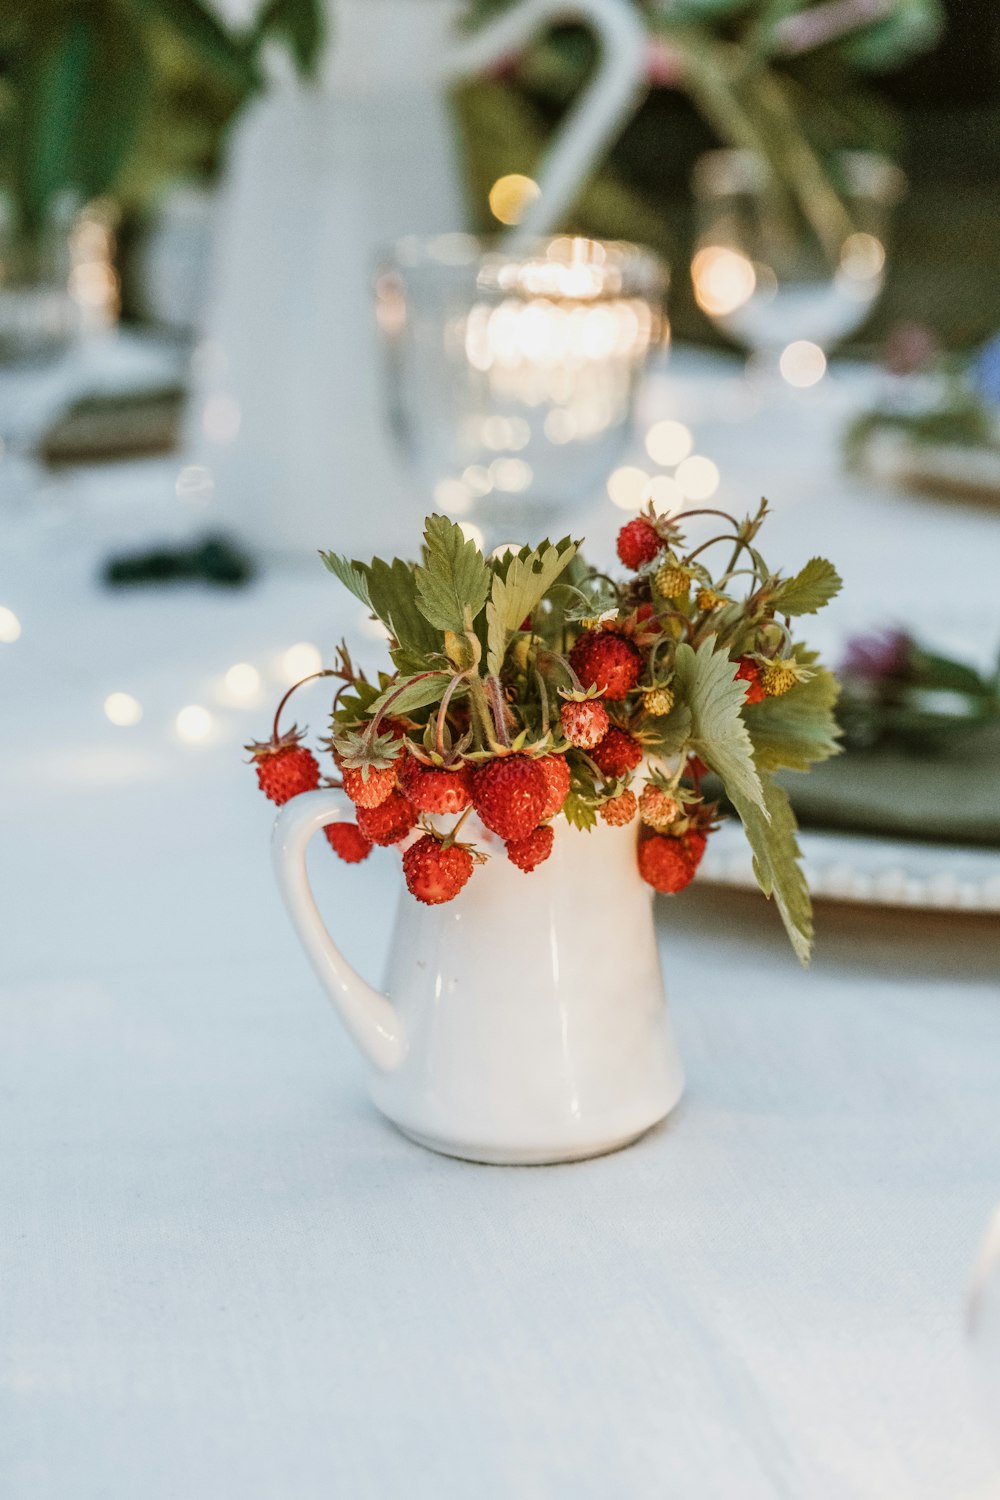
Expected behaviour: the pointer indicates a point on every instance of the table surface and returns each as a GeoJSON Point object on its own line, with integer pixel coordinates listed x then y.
{"type": "Point", "coordinates": [221, 1273]}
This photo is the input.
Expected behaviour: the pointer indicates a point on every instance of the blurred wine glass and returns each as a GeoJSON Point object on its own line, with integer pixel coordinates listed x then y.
{"type": "Point", "coordinates": [786, 286]}
{"type": "Point", "coordinates": [984, 1326]}
{"type": "Point", "coordinates": [512, 374]}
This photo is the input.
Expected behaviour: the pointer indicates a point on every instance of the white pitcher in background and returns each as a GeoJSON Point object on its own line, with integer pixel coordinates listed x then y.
{"type": "Point", "coordinates": [320, 180]}
{"type": "Point", "coordinates": [523, 1022]}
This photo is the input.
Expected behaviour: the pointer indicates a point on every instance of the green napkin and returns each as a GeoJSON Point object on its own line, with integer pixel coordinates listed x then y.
{"type": "Point", "coordinates": [950, 796]}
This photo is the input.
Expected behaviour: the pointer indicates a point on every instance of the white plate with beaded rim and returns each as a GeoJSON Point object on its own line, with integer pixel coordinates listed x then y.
{"type": "Point", "coordinates": [873, 871]}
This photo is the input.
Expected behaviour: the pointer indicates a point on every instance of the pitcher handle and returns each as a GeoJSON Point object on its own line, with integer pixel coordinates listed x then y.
{"type": "Point", "coordinates": [367, 1014]}
{"type": "Point", "coordinates": [598, 113]}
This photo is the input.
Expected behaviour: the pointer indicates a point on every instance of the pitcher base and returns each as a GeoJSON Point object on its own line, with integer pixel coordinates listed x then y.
{"type": "Point", "coordinates": [526, 1156]}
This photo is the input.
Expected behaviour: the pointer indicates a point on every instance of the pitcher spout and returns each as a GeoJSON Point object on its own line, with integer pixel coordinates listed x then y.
{"type": "Point", "coordinates": [370, 1019]}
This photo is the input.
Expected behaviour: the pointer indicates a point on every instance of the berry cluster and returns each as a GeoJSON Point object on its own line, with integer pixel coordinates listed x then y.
{"type": "Point", "coordinates": [577, 697]}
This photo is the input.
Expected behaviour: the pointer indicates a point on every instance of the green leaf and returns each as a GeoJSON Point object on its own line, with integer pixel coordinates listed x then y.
{"type": "Point", "coordinates": [417, 692]}
{"type": "Point", "coordinates": [517, 589]}
{"type": "Point", "coordinates": [351, 575]}
{"type": "Point", "coordinates": [776, 856]}
{"type": "Point", "coordinates": [812, 587]}
{"type": "Point", "coordinates": [706, 681]}
{"type": "Point", "coordinates": [579, 812]}
{"type": "Point", "coordinates": [226, 54]}
{"type": "Point", "coordinates": [393, 590]}
{"type": "Point", "coordinates": [797, 729]}
{"type": "Point", "coordinates": [300, 22]}
{"type": "Point", "coordinates": [454, 577]}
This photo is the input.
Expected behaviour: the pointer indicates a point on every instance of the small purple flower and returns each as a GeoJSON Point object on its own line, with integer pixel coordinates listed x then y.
{"type": "Point", "coordinates": [880, 657]}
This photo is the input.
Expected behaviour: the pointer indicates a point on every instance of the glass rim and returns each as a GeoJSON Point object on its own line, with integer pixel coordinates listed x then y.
{"type": "Point", "coordinates": [627, 269]}
{"type": "Point", "coordinates": [739, 169]}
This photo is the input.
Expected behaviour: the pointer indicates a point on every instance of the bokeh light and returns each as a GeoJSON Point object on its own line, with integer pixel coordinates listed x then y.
{"type": "Point", "coordinates": [10, 626]}
{"type": "Point", "coordinates": [122, 709]}
{"type": "Point", "coordinates": [194, 723]}
{"type": "Point", "coordinates": [511, 196]}
{"type": "Point", "coordinates": [627, 487]}
{"type": "Point", "coordinates": [301, 660]}
{"type": "Point", "coordinates": [723, 280]}
{"type": "Point", "coordinates": [666, 495]}
{"type": "Point", "coordinates": [472, 533]}
{"type": "Point", "coordinates": [697, 477]}
{"type": "Point", "coordinates": [802, 364]}
{"type": "Point", "coordinates": [668, 443]}
{"type": "Point", "coordinates": [221, 418]}
{"type": "Point", "coordinates": [243, 681]}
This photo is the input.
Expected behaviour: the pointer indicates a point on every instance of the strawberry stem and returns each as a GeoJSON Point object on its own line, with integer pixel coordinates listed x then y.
{"type": "Point", "coordinates": [443, 711]}
{"type": "Point", "coordinates": [498, 709]}
{"type": "Point", "coordinates": [327, 672]}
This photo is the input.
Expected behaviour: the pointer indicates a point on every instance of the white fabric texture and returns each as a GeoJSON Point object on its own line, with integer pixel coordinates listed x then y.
{"type": "Point", "coordinates": [222, 1274]}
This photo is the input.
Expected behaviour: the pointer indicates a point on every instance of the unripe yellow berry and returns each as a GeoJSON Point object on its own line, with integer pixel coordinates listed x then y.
{"type": "Point", "coordinates": [658, 700]}
{"type": "Point", "coordinates": [708, 599]}
{"type": "Point", "coordinates": [777, 677]}
{"type": "Point", "coordinates": [672, 582]}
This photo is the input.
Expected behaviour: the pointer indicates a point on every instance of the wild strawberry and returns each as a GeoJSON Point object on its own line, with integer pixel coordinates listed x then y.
{"type": "Point", "coordinates": [777, 677]}
{"type": "Point", "coordinates": [556, 772]}
{"type": "Point", "coordinates": [371, 789]}
{"type": "Point", "coordinates": [435, 872]}
{"type": "Point", "coordinates": [669, 864]}
{"type": "Point", "coordinates": [437, 789]}
{"type": "Point", "coordinates": [658, 700]}
{"type": "Point", "coordinates": [658, 808]}
{"type": "Point", "coordinates": [608, 662]}
{"type": "Point", "coordinates": [619, 810]}
{"type": "Point", "coordinates": [510, 794]}
{"type": "Point", "coordinates": [529, 852]}
{"type": "Point", "coordinates": [390, 821]}
{"type": "Point", "coordinates": [347, 840]}
{"type": "Point", "coordinates": [285, 767]}
{"type": "Point", "coordinates": [749, 672]}
{"type": "Point", "coordinates": [695, 768]}
{"type": "Point", "coordinates": [638, 543]}
{"type": "Point", "coordinates": [617, 754]}
{"type": "Point", "coordinates": [707, 599]}
{"type": "Point", "coordinates": [584, 722]}
{"type": "Point", "coordinates": [672, 581]}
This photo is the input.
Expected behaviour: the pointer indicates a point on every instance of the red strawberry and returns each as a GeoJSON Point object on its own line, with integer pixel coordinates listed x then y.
{"type": "Point", "coordinates": [529, 852]}
{"type": "Point", "coordinates": [347, 840]}
{"type": "Point", "coordinates": [556, 772]}
{"type": "Point", "coordinates": [668, 864]}
{"type": "Point", "coordinates": [617, 754]}
{"type": "Point", "coordinates": [606, 661]}
{"type": "Point", "coordinates": [584, 723]}
{"type": "Point", "coordinates": [695, 768]}
{"type": "Point", "coordinates": [435, 873]}
{"type": "Point", "coordinates": [390, 821]}
{"type": "Point", "coordinates": [369, 790]}
{"type": "Point", "coordinates": [749, 672]}
{"type": "Point", "coordinates": [510, 794]}
{"type": "Point", "coordinates": [285, 768]}
{"type": "Point", "coordinates": [638, 543]}
{"type": "Point", "coordinates": [437, 789]}
{"type": "Point", "coordinates": [619, 810]}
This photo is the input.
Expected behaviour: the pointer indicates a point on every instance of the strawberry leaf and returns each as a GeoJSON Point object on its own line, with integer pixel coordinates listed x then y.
{"type": "Point", "coordinates": [410, 693]}
{"type": "Point", "coordinates": [811, 588]}
{"type": "Point", "coordinates": [352, 575]}
{"type": "Point", "coordinates": [518, 585]}
{"type": "Point", "coordinates": [706, 681]}
{"type": "Point", "coordinates": [776, 856]}
{"type": "Point", "coordinates": [798, 728]}
{"type": "Point", "coordinates": [454, 577]}
{"type": "Point", "coordinates": [393, 590]}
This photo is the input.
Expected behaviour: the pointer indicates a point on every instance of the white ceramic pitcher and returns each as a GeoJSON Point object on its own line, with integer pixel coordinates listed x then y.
{"type": "Point", "coordinates": [523, 1022]}
{"type": "Point", "coordinates": [320, 180]}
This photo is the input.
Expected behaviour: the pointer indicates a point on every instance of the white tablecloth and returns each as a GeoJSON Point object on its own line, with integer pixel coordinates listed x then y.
{"type": "Point", "coordinates": [221, 1274]}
